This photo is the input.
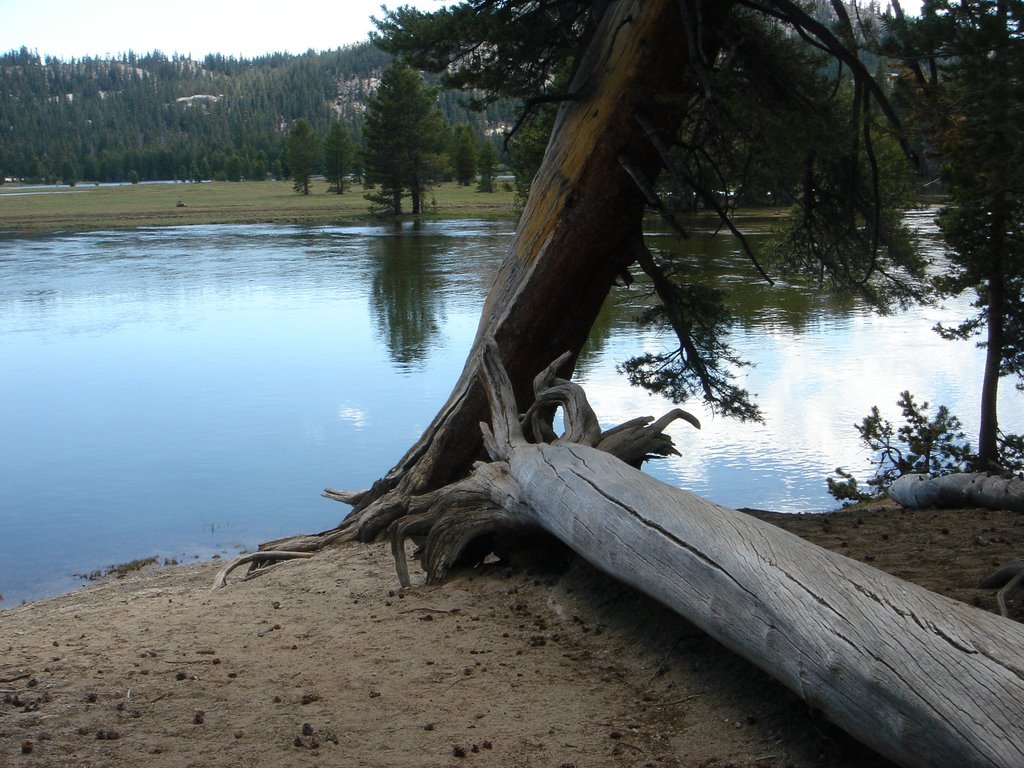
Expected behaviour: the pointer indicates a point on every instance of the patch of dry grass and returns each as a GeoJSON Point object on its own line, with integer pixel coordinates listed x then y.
{"type": "Point", "coordinates": [91, 207]}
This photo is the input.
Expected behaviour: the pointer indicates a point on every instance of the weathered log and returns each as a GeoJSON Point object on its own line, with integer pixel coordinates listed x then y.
{"type": "Point", "coordinates": [923, 679]}
{"type": "Point", "coordinates": [960, 489]}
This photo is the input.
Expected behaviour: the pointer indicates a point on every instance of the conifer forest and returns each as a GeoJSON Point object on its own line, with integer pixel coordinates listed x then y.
{"type": "Point", "coordinates": [146, 117]}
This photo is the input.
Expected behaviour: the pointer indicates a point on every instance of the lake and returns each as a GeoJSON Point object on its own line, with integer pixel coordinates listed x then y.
{"type": "Point", "coordinates": [187, 392]}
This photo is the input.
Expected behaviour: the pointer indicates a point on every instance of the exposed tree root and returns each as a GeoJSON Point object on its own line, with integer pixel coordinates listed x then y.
{"type": "Point", "coordinates": [1002, 576]}
{"type": "Point", "coordinates": [447, 521]}
{"type": "Point", "coordinates": [969, 489]}
{"type": "Point", "coordinates": [458, 514]}
{"type": "Point", "coordinates": [345, 497]}
{"type": "Point", "coordinates": [1006, 579]}
{"type": "Point", "coordinates": [259, 563]}
{"type": "Point", "coordinates": [310, 542]}
{"type": "Point", "coordinates": [1011, 585]}
{"type": "Point", "coordinates": [478, 507]}
{"type": "Point", "coordinates": [634, 441]}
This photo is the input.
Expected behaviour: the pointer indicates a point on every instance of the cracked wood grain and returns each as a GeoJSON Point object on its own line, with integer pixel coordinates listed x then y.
{"type": "Point", "coordinates": [923, 679]}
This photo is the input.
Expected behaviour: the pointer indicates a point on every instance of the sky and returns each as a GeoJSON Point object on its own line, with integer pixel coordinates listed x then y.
{"type": "Point", "coordinates": [241, 28]}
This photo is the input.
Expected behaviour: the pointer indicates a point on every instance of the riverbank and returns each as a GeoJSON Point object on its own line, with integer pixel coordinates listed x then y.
{"type": "Point", "coordinates": [87, 207]}
{"type": "Point", "coordinates": [541, 662]}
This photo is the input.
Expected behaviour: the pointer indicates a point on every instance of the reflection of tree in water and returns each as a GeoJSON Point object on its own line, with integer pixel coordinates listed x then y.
{"type": "Point", "coordinates": [407, 289]}
{"type": "Point", "coordinates": [716, 259]}
{"type": "Point", "coordinates": [411, 275]}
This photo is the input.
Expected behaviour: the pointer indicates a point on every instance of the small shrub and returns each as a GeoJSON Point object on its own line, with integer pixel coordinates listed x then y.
{"type": "Point", "coordinates": [932, 446]}
{"type": "Point", "coordinates": [1011, 453]}
{"type": "Point", "coordinates": [846, 488]}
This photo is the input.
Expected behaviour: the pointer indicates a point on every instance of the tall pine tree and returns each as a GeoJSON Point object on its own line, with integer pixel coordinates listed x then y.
{"type": "Point", "coordinates": [303, 154]}
{"type": "Point", "coordinates": [405, 136]}
{"type": "Point", "coordinates": [339, 156]}
{"type": "Point", "coordinates": [488, 160]}
{"type": "Point", "coordinates": [966, 63]}
{"type": "Point", "coordinates": [464, 156]}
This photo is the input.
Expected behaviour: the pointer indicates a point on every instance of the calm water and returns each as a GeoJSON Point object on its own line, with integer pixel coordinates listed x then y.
{"type": "Point", "coordinates": [185, 392]}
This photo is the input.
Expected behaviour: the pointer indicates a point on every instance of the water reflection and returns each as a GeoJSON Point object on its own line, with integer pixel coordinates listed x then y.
{"type": "Point", "coordinates": [407, 293]}
{"type": "Point", "coordinates": [819, 363]}
{"type": "Point", "coordinates": [753, 302]}
{"type": "Point", "coordinates": [421, 275]}
{"type": "Point", "coordinates": [184, 392]}
{"type": "Point", "coordinates": [187, 391]}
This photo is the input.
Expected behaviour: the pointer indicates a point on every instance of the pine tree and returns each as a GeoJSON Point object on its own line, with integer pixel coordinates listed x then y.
{"type": "Point", "coordinates": [966, 59]}
{"type": "Point", "coordinates": [339, 156]}
{"type": "Point", "coordinates": [233, 167]}
{"type": "Point", "coordinates": [303, 153]}
{"type": "Point", "coordinates": [464, 156]}
{"type": "Point", "coordinates": [405, 134]}
{"type": "Point", "coordinates": [259, 167]}
{"type": "Point", "coordinates": [487, 160]}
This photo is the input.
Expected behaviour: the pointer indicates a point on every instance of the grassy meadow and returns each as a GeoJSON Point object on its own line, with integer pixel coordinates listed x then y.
{"type": "Point", "coordinates": [91, 207]}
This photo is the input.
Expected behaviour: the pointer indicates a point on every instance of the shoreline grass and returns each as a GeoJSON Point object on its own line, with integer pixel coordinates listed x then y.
{"type": "Point", "coordinates": [89, 207]}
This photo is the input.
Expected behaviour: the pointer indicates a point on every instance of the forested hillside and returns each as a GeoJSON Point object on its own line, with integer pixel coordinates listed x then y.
{"type": "Point", "coordinates": [151, 116]}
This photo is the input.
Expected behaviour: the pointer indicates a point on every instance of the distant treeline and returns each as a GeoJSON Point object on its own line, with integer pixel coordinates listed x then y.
{"type": "Point", "coordinates": [154, 117]}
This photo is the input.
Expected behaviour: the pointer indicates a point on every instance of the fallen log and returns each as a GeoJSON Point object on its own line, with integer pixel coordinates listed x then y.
{"type": "Point", "coordinates": [960, 489]}
{"type": "Point", "coordinates": [922, 679]}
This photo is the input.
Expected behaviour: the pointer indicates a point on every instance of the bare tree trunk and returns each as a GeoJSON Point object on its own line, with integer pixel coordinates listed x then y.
{"type": "Point", "coordinates": [988, 431]}
{"type": "Point", "coordinates": [918, 677]}
{"type": "Point", "coordinates": [921, 678]}
{"type": "Point", "coordinates": [960, 489]}
{"type": "Point", "coordinates": [577, 235]}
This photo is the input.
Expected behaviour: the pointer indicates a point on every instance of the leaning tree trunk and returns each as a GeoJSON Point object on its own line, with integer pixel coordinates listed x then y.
{"type": "Point", "coordinates": [578, 233]}
{"type": "Point", "coordinates": [921, 678]}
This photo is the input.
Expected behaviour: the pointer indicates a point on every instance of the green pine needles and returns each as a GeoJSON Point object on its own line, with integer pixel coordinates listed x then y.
{"type": "Point", "coordinates": [933, 445]}
{"type": "Point", "coordinates": [923, 444]}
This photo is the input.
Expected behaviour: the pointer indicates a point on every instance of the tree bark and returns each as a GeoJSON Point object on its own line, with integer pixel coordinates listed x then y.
{"type": "Point", "coordinates": [922, 679]}
{"type": "Point", "coordinates": [995, 269]}
{"type": "Point", "coordinates": [577, 234]}
{"type": "Point", "coordinates": [995, 302]}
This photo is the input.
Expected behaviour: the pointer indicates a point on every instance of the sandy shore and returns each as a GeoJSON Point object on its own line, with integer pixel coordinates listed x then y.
{"type": "Point", "coordinates": [325, 662]}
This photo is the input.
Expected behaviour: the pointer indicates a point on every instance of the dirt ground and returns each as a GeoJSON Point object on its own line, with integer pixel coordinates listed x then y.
{"type": "Point", "coordinates": [543, 662]}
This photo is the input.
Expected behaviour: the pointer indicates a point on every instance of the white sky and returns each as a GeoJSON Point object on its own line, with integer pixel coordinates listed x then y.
{"type": "Point", "coordinates": [241, 28]}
